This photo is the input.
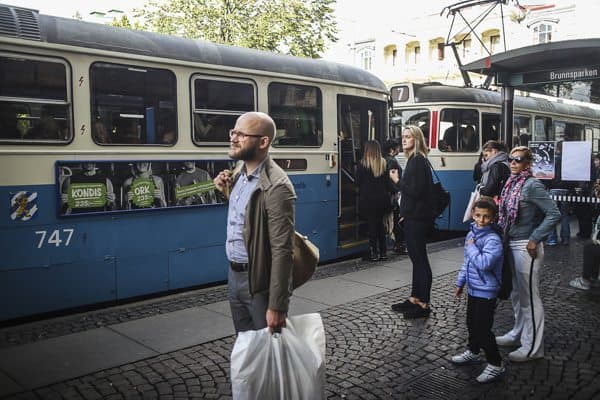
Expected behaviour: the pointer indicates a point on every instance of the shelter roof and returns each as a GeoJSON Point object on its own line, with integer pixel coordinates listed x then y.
{"type": "Point", "coordinates": [513, 65]}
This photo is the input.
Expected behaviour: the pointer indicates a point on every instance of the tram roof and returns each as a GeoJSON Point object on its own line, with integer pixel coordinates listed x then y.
{"type": "Point", "coordinates": [512, 67]}
{"type": "Point", "coordinates": [426, 93]}
{"type": "Point", "coordinates": [73, 32]}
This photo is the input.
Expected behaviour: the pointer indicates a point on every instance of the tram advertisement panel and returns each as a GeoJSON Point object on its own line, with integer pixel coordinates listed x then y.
{"type": "Point", "coordinates": [543, 166]}
{"type": "Point", "coordinates": [114, 186]}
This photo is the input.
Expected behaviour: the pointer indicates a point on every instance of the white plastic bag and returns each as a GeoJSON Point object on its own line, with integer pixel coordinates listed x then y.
{"type": "Point", "coordinates": [289, 365]}
{"type": "Point", "coordinates": [475, 195]}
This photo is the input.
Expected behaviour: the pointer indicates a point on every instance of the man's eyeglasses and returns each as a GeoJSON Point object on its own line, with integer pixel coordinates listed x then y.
{"type": "Point", "coordinates": [241, 135]}
{"type": "Point", "coordinates": [517, 159]}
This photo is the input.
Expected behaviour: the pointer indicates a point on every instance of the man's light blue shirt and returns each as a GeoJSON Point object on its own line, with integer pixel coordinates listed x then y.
{"type": "Point", "coordinates": [236, 215]}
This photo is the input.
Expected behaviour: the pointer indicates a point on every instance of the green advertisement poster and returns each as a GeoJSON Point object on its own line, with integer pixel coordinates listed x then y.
{"type": "Point", "coordinates": [194, 189]}
{"type": "Point", "coordinates": [142, 191]}
{"type": "Point", "coordinates": [87, 195]}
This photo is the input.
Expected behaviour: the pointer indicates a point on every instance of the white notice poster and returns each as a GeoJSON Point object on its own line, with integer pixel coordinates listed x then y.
{"type": "Point", "coordinates": [576, 161]}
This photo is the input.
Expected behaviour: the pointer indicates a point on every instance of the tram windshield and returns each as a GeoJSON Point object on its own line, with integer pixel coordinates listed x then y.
{"type": "Point", "coordinates": [416, 116]}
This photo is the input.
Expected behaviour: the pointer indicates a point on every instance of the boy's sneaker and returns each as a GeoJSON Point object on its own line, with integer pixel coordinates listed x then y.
{"type": "Point", "coordinates": [491, 373]}
{"type": "Point", "coordinates": [467, 358]}
{"type": "Point", "coordinates": [580, 283]}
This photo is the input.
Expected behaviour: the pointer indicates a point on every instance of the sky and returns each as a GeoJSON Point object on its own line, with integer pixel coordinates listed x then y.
{"type": "Point", "coordinates": [356, 18]}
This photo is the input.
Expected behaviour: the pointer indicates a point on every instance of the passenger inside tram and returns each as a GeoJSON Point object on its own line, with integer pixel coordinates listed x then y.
{"type": "Point", "coordinates": [99, 132]}
{"type": "Point", "coordinates": [8, 123]}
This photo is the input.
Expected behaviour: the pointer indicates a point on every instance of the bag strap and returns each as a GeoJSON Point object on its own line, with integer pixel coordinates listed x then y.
{"type": "Point", "coordinates": [440, 181]}
{"type": "Point", "coordinates": [433, 170]}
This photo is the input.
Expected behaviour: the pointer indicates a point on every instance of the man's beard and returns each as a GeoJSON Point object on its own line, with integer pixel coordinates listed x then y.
{"type": "Point", "coordinates": [244, 154]}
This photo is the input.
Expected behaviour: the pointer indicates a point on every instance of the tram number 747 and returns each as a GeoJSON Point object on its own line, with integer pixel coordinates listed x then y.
{"type": "Point", "coordinates": [55, 237]}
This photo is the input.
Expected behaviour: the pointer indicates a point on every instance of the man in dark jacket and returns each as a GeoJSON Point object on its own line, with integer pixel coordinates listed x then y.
{"type": "Point", "coordinates": [260, 227]}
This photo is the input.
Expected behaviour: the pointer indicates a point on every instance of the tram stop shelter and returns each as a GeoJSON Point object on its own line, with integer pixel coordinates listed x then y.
{"type": "Point", "coordinates": [533, 66]}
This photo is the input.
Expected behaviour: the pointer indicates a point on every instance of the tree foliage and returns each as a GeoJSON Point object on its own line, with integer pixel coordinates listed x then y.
{"type": "Point", "coordinates": [124, 22]}
{"type": "Point", "coordinates": [301, 28]}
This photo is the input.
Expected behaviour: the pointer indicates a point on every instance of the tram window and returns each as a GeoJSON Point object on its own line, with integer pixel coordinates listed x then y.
{"type": "Point", "coordinates": [34, 101]}
{"type": "Point", "coordinates": [217, 105]}
{"type": "Point", "coordinates": [543, 130]}
{"type": "Point", "coordinates": [521, 130]}
{"type": "Point", "coordinates": [133, 105]}
{"type": "Point", "coordinates": [567, 131]}
{"type": "Point", "coordinates": [459, 129]}
{"type": "Point", "coordinates": [490, 127]}
{"type": "Point", "coordinates": [418, 117]}
{"type": "Point", "coordinates": [298, 114]}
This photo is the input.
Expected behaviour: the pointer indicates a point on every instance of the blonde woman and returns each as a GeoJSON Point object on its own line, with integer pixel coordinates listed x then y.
{"type": "Point", "coordinates": [416, 215]}
{"type": "Point", "coordinates": [522, 203]}
{"type": "Point", "coordinates": [374, 197]}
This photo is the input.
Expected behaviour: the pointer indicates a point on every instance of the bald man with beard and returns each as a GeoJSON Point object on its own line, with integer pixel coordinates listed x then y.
{"type": "Point", "coordinates": [260, 227]}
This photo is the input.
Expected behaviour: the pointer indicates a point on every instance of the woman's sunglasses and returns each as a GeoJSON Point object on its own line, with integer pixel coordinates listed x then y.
{"type": "Point", "coordinates": [517, 159]}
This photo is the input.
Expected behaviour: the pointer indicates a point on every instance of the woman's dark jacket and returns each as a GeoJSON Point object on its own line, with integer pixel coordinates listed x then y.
{"type": "Point", "coordinates": [497, 177]}
{"type": "Point", "coordinates": [415, 188]}
{"type": "Point", "coordinates": [374, 193]}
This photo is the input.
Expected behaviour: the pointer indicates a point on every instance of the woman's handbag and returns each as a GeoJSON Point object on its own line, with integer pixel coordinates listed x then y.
{"type": "Point", "coordinates": [475, 195]}
{"type": "Point", "coordinates": [440, 197]}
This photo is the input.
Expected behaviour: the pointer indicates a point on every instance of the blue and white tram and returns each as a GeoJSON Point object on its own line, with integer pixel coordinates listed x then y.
{"type": "Point", "coordinates": [109, 139]}
{"type": "Point", "coordinates": [458, 121]}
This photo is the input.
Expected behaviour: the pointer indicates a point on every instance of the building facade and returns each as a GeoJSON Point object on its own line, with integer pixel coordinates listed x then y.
{"type": "Point", "coordinates": [418, 49]}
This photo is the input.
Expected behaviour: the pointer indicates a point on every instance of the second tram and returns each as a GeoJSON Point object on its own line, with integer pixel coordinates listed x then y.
{"type": "Point", "coordinates": [457, 121]}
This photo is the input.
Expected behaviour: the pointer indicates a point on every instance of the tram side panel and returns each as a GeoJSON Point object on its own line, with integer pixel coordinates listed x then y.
{"type": "Point", "coordinates": [53, 262]}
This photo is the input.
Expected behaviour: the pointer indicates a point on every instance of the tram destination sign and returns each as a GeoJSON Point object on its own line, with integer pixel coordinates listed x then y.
{"type": "Point", "coordinates": [561, 75]}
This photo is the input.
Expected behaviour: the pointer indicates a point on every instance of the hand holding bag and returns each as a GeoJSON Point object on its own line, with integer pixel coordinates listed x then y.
{"type": "Point", "coordinates": [475, 195]}
{"type": "Point", "coordinates": [287, 365]}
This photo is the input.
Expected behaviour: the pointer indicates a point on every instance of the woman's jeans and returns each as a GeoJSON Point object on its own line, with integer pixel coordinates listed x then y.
{"type": "Point", "coordinates": [415, 235]}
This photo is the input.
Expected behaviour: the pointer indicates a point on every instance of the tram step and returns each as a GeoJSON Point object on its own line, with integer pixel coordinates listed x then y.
{"type": "Point", "coordinates": [349, 188]}
{"type": "Point", "coordinates": [353, 243]}
{"type": "Point", "coordinates": [349, 209]}
{"type": "Point", "coordinates": [351, 224]}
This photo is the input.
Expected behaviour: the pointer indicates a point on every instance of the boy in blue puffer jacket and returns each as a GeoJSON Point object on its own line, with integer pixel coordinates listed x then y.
{"type": "Point", "coordinates": [482, 272]}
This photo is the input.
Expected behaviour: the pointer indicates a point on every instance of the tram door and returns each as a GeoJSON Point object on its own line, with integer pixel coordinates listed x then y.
{"type": "Point", "coordinates": [359, 120]}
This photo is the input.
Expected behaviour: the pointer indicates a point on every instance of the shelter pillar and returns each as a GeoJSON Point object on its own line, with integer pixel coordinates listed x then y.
{"type": "Point", "coordinates": [508, 96]}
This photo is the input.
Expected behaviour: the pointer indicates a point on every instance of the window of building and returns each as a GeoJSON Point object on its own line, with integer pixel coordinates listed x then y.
{"type": "Point", "coordinates": [217, 103]}
{"type": "Point", "coordinates": [440, 51]}
{"type": "Point", "coordinates": [459, 130]}
{"type": "Point", "coordinates": [417, 53]}
{"type": "Point", "coordinates": [394, 55]}
{"type": "Point", "coordinates": [542, 33]}
{"type": "Point", "coordinates": [494, 43]}
{"type": "Point", "coordinates": [34, 100]}
{"type": "Point", "coordinates": [466, 46]}
{"type": "Point", "coordinates": [366, 59]}
{"type": "Point", "coordinates": [133, 105]}
{"type": "Point", "coordinates": [298, 114]}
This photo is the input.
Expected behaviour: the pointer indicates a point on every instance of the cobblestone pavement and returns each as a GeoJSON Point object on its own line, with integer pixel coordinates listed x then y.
{"type": "Point", "coordinates": [372, 353]}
